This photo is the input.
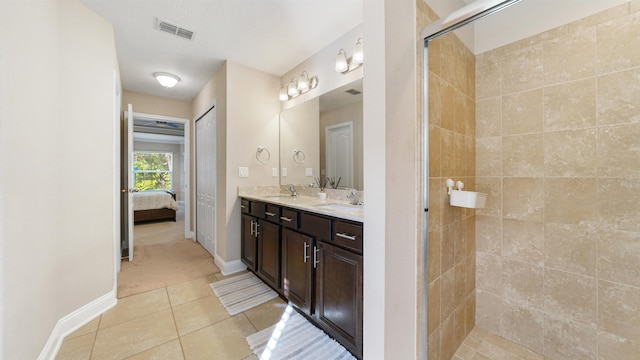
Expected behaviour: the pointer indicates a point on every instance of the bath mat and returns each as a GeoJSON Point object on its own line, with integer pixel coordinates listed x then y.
{"type": "Point", "coordinates": [295, 338]}
{"type": "Point", "coordinates": [242, 292]}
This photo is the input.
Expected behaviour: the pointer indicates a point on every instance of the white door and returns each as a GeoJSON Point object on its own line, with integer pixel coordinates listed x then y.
{"type": "Point", "coordinates": [206, 180]}
{"type": "Point", "coordinates": [129, 181]}
{"type": "Point", "coordinates": [339, 153]}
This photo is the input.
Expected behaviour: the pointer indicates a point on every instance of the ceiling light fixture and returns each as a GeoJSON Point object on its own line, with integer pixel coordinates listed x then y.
{"type": "Point", "coordinates": [344, 64]}
{"type": "Point", "coordinates": [165, 79]}
{"type": "Point", "coordinates": [298, 85]}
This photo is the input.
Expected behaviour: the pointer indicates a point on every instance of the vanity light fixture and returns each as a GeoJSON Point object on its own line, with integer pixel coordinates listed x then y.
{"type": "Point", "coordinates": [297, 86]}
{"type": "Point", "coordinates": [165, 79]}
{"type": "Point", "coordinates": [344, 64]}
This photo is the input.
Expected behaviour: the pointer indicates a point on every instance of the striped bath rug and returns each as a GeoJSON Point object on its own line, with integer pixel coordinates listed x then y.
{"type": "Point", "coordinates": [295, 338]}
{"type": "Point", "coordinates": [242, 292]}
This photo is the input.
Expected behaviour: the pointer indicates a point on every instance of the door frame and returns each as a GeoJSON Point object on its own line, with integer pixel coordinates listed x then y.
{"type": "Point", "coordinates": [207, 110]}
{"type": "Point", "coordinates": [328, 129]}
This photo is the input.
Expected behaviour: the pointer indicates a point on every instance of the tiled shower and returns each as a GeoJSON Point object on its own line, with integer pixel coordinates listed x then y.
{"type": "Point", "coordinates": [551, 131]}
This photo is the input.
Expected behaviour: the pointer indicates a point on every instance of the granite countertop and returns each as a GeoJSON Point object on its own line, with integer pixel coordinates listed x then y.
{"type": "Point", "coordinates": [330, 207]}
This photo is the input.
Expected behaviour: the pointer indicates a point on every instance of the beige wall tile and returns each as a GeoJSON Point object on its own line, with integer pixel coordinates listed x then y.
{"type": "Point", "coordinates": [488, 311]}
{"type": "Point", "coordinates": [618, 150]}
{"type": "Point", "coordinates": [437, 196]}
{"type": "Point", "coordinates": [619, 97]}
{"type": "Point", "coordinates": [447, 151]}
{"type": "Point", "coordinates": [492, 186]}
{"type": "Point", "coordinates": [570, 106]}
{"type": "Point", "coordinates": [522, 198]}
{"type": "Point", "coordinates": [567, 340]}
{"type": "Point", "coordinates": [447, 98]}
{"type": "Point", "coordinates": [489, 273]}
{"type": "Point", "coordinates": [618, 204]}
{"type": "Point", "coordinates": [460, 275]}
{"type": "Point", "coordinates": [460, 103]}
{"type": "Point", "coordinates": [522, 113]}
{"type": "Point", "coordinates": [524, 326]}
{"type": "Point", "coordinates": [447, 257]}
{"type": "Point", "coordinates": [488, 234]}
{"type": "Point", "coordinates": [570, 248]}
{"type": "Point", "coordinates": [522, 284]}
{"type": "Point", "coordinates": [523, 155]}
{"type": "Point", "coordinates": [435, 156]}
{"type": "Point", "coordinates": [489, 156]}
{"type": "Point", "coordinates": [513, 350]}
{"type": "Point", "coordinates": [619, 309]}
{"type": "Point", "coordinates": [488, 76]}
{"type": "Point", "coordinates": [570, 296]}
{"type": "Point", "coordinates": [433, 255]}
{"type": "Point", "coordinates": [618, 258]}
{"type": "Point", "coordinates": [459, 155]}
{"type": "Point", "coordinates": [522, 70]}
{"type": "Point", "coordinates": [433, 306]}
{"type": "Point", "coordinates": [618, 44]}
{"type": "Point", "coordinates": [470, 277]}
{"type": "Point", "coordinates": [570, 201]}
{"type": "Point", "coordinates": [435, 100]}
{"type": "Point", "coordinates": [570, 153]}
{"type": "Point", "coordinates": [489, 117]}
{"type": "Point", "coordinates": [447, 294]}
{"type": "Point", "coordinates": [612, 347]}
{"type": "Point", "coordinates": [570, 57]}
{"type": "Point", "coordinates": [433, 345]}
{"type": "Point", "coordinates": [448, 344]}
{"type": "Point", "coordinates": [523, 241]}
{"type": "Point", "coordinates": [470, 312]}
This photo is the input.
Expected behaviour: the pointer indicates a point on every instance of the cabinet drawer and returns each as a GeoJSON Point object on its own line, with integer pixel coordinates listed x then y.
{"type": "Point", "coordinates": [272, 213]}
{"type": "Point", "coordinates": [319, 227]}
{"type": "Point", "coordinates": [257, 209]}
{"type": "Point", "coordinates": [244, 206]}
{"type": "Point", "coordinates": [348, 235]}
{"type": "Point", "coordinates": [289, 218]}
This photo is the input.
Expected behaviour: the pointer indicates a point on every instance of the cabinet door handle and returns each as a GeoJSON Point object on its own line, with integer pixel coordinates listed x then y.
{"type": "Point", "coordinates": [257, 233]}
{"type": "Point", "coordinates": [252, 223]}
{"type": "Point", "coordinates": [270, 213]}
{"type": "Point", "coordinates": [315, 257]}
{"type": "Point", "coordinates": [346, 236]}
{"type": "Point", "coordinates": [305, 257]}
{"type": "Point", "coordinates": [243, 207]}
{"type": "Point", "coordinates": [285, 218]}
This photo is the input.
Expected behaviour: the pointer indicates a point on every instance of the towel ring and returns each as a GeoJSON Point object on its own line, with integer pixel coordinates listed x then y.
{"type": "Point", "coordinates": [297, 158]}
{"type": "Point", "coordinates": [259, 152]}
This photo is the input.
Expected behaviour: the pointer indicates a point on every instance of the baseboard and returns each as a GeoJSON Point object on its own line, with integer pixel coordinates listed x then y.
{"type": "Point", "coordinates": [231, 267]}
{"type": "Point", "coordinates": [74, 321]}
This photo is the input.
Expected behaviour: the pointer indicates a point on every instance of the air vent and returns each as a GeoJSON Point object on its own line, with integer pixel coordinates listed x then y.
{"type": "Point", "coordinates": [353, 92]}
{"type": "Point", "coordinates": [175, 30]}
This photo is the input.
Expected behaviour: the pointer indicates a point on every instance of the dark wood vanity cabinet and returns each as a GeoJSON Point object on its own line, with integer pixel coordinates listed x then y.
{"type": "Point", "coordinates": [314, 261]}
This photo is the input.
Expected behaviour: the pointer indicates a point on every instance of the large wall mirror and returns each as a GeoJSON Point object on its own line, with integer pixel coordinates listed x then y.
{"type": "Point", "coordinates": [323, 138]}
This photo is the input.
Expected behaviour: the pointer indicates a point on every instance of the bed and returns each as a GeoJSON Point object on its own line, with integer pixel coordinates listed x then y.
{"type": "Point", "coordinates": [154, 206]}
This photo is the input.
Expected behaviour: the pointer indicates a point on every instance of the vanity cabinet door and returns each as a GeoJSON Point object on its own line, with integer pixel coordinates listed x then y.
{"type": "Point", "coordinates": [269, 254]}
{"type": "Point", "coordinates": [339, 295]}
{"type": "Point", "coordinates": [297, 269]}
{"type": "Point", "coordinates": [249, 243]}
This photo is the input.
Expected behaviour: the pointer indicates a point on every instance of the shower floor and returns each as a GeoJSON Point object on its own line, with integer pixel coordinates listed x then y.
{"type": "Point", "coordinates": [481, 344]}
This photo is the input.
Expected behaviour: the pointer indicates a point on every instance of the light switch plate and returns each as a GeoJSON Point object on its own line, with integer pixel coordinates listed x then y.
{"type": "Point", "coordinates": [274, 172]}
{"type": "Point", "coordinates": [308, 171]}
{"type": "Point", "coordinates": [284, 172]}
{"type": "Point", "coordinates": [243, 172]}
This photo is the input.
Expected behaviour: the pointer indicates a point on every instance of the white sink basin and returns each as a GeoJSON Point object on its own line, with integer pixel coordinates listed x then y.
{"type": "Point", "coordinates": [340, 207]}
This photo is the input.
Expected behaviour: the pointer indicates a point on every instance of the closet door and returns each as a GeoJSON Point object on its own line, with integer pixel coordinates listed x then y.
{"type": "Point", "coordinates": [206, 180]}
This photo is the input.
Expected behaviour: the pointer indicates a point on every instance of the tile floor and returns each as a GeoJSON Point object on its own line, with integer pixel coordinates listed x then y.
{"type": "Point", "coordinates": [182, 319]}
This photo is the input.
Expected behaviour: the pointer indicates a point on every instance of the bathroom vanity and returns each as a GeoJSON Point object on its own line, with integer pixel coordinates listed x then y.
{"type": "Point", "coordinates": [311, 253]}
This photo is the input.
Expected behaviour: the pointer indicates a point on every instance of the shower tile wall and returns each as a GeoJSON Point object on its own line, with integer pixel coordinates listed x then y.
{"type": "Point", "coordinates": [558, 152]}
{"type": "Point", "coordinates": [451, 244]}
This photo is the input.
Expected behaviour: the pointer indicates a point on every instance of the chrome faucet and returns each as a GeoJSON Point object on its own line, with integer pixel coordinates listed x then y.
{"type": "Point", "coordinates": [353, 197]}
{"type": "Point", "coordinates": [292, 189]}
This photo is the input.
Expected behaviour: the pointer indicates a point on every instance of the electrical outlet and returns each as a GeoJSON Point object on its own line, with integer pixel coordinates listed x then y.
{"type": "Point", "coordinates": [284, 172]}
{"type": "Point", "coordinates": [243, 172]}
{"type": "Point", "coordinates": [308, 171]}
{"type": "Point", "coordinates": [274, 172]}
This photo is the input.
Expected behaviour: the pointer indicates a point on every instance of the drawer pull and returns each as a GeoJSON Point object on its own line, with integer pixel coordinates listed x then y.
{"type": "Point", "coordinates": [270, 213]}
{"type": "Point", "coordinates": [286, 218]}
{"type": "Point", "coordinates": [305, 257]}
{"type": "Point", "coordinates": [315, 257]}
{"type": "Point", "coordinates": [346, 236]}
{"type": "Point", "coordinates": [243, 207]}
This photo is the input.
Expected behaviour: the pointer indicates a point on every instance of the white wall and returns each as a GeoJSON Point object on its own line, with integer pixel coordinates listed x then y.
{"type": "Point", "coordinates": [57, 158]}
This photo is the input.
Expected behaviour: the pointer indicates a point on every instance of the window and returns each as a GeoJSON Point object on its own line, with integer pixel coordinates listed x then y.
{"type": "Point", "coordinates": [152, 170]}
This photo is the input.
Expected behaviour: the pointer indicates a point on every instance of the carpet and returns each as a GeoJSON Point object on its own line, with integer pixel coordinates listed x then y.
{"type": "Point", "coordinates": [295, 338]}
{"type": "Point", "coordinates": [242, 292]}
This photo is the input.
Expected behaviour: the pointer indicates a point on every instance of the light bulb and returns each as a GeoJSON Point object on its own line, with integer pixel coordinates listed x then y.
{"type": "Point", "coordinates": [292, 89]}
{"type": "Point", "coordinates": [341, 62]}
{"type": "Point", "coordinates": [303, 82]}
{"type": "Point", "coordinates": [283, 93]}
{"type": "Point", "coordinates": [358, 53]}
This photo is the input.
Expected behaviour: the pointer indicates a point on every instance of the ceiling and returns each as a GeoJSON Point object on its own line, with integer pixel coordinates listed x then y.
{"type": "Point", "coordinates": [269, 35]}
{"type": "Point", "coordinates": [274, 36]}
